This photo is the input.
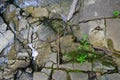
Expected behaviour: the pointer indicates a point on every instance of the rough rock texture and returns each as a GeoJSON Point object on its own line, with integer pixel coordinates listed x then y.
{"type": "Point", "coordinates": [35, 34]}
{"type": "Point", "coordinates": [78, 76]}
{"type": "Point", "coordinates": [38, 12]}
{"type": "Point", "coordinates": [67, 44]}
{"type": "Point", "coordinates": [113, 33]}
{"type": "Point", "coordinates": [26, 3]}
{"type": "Point", "coordinates": [40, 76]}
{"type": "Point", "coordinates": [96, 31]}
{"type": "Point", "coordinates": [44, 32]}
{"type": "Point", "coordinates": [10, 12]}
{"type": "Point", "coordinates": [5, 39]}
{"type": "Point", "coordinates": [62, 75]}
{"type": "Point", "coordinates": [76, 66]}
{"type": "Point", "coordinates": [92, 9]}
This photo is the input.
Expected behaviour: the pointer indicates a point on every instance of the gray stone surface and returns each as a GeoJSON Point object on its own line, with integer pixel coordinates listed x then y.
{"type": "Point", "coordinates": [3, 27]}
{"type": "Point", "coordinates": [96, 31]}
{"type": "Point", "coordinates": [99, 67]}
{"type": "Point", "coordinates": [53, 57]}
{"type": "Point", "coordinates": [103, 77]}
{"type": "Point", "coordinates": [9, 35]}
{"type": "Point", "coordinates": [11, 77]}
{"type": "Point", "coordinates": [24, 35]}
{"type": "Point", "coordinates": [29, 70]}
{"type": "Point", "coordinates": [77, 66]}
{"type": "Point", "coordinates": [22, 24]}
{"type": "Point", "coordinates": [18, 64]}
{"type": "Point", "coordinates": [40, 76]}
{"type": "Point", "coordinates": [1, 20]}
{"type": "Point", "coordinates": [26, 76]}
{"type": "Point", "coordinates": [59, 9]}
{"type": "Point", "coordinates": [5, 39]}
{"type": "Point", "coordinates": [37, 12]}
{"type": "Point", "coordinates": [23, 54]}
{"type": "Point", "coordinates": [114, 76]}
{"type": "Point", "coordinates": [113, 30]}
{"type": "Point", "coordinates": [78, 76]}
{"type": "Point", "coordinates": [3, 60]}
{"type": "Point", "coordinates": [98, 8]}
{"type": "Point", "coordinates": [47, 71]}
{"type": "Point", "coordinates": [49, 64]}
{"type": "Point", "coordinates": [10, 12]}
{"type": "Point", "coordinates": [26, 3]}
{"type": "Point", "coordinates": [59, 75]}
{"type": "Point", "coordinates": [3, 42]}
{"type": "Point", "coordinates": [44, 32]}
{"type": "Point", "coordinates": [2, 6]}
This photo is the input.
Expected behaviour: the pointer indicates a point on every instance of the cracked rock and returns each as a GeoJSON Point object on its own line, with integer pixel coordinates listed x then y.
{"type": "Point", "coordinates": [5, 39]}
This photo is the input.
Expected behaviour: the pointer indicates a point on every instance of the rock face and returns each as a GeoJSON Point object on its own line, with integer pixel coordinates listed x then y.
{"type": "Point", "coordinates": [36, 37]}
{"type": "Point", "coordinates": [97, 9]}
{"type": "Point", "coordinates": [77, 76]}
{"type": "Point", "coordinates": [37, 11]}
{"type": "Point", "coordinates": [6, 39]}
{"type": "Point", "coordinates": [113, 33]}
{"type": "Point", "coordinates": [26, 3]}
{"type": "Point", "coordinates": [62, 75]}
{"type": "Point", "coordinates": [10, 12]}
{"type": "Point", "coordinates": [3, 26]}
{"type": "Point", "coordinates": [40, 76]}
{"type": "Point", "coordinates": [67, 45]}
{"type": "Point", "coordinates": [97, 33]}
{"type": "Point", "coordinates": [44, 32]}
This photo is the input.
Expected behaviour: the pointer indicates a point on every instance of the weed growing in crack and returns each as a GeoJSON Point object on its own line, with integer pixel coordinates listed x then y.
{"type": "Point", "coordinates": [86, 52]}
{"type": "Point", "coordinates": [116, 13]}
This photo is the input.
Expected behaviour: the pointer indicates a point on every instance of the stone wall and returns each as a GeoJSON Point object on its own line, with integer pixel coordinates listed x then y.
{"type": "Point", "coordinates": [33, 32]}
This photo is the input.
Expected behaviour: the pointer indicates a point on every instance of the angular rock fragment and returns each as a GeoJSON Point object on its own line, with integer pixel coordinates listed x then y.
{"type": "Point", "coordinates": [6, 39]}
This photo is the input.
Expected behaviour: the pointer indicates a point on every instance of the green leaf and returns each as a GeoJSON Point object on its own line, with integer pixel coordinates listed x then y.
{"type": "Point", "coordinates": [86, 43]}
{"type": "Point", "coordinates": [82, 58]}
{"type": "Point", "coordinates": [116, 13]}
{"type": "Point", "coordinates": [84, 36]}
{"type": "Point", "coordinates": [80, 47]}
{"type": "Point", "coordinates": [82, 42]}
{"type": "Point", "coordinates": [93, 50]}
{"type": "Point", "coordinates": [86, 47]}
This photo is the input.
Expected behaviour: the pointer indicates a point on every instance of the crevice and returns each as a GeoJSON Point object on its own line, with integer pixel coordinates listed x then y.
{"type": "Point", "coordinates": [51, 73]}
{"type": "Point", "coordinates": [85, 21]}
{"type": "Point", "coordinates": [105, 23]}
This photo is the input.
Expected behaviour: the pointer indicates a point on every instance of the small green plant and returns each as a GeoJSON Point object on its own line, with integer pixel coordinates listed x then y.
{"type": "Point", "coordinates": [82, 58]}
{"type": "Point", "coordinates": [83, 53]}
{"type": "Point", "coordinates": [116, 13]}
{"type": "Point", "coordinates": [86, 52]}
